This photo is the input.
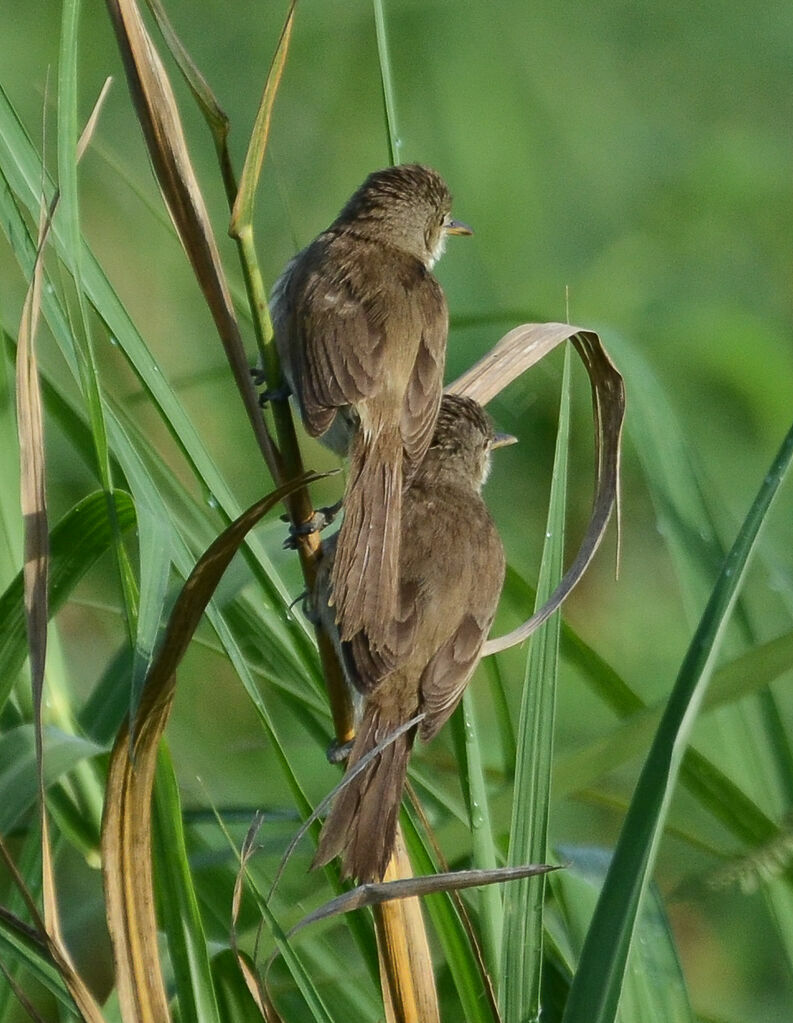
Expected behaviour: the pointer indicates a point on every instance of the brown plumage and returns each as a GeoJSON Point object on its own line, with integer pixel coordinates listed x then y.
{"type": "Point", "coordinates": [361, 325]}
{"type": "Point", "coordinates": [452, 571]}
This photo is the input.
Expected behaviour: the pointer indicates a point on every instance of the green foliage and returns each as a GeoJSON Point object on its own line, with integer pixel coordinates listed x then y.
{"type": "Point", "coordinates": [656, 188]}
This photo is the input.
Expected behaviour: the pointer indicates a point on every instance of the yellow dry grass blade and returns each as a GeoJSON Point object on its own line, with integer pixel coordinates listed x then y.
{"type": "Point", "coordinates": [407, 979]}
{"type": "Point", "coordinates": [30, 429]}
{"type": "Point", "coordinates": [126, 826]}
{"type": "Point", "coordinates": [516, 352]}
{"type": "Point", "coordinates": [158, 114]}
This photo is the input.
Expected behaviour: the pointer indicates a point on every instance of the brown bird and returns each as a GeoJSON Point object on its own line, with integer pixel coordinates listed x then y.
{"type": "Point", "coordinates": [451, 574]}
{"type": "Point", "coordinates": [361, 326]}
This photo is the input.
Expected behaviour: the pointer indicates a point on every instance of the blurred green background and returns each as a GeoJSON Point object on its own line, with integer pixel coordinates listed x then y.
{"type": "Point", "coordinates": [625, 166]}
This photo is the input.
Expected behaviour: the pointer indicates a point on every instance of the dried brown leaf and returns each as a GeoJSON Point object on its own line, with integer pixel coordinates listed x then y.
{"type": "Point", "coordinates": [162, 129]}
{"type": "Point", "coordinates": [249, 974]}
{"type": "Point", "coordinates": [518, 350]}
{"type": "Point", "coordinates": [430, 884]}
{"type": "Point", "coordinates": [30, 429]}
{"type": "Point", "coordinates": [126, 826]}
{"type": "Point", "coordinates": [87, 133]}
{"type": "Point", "coordinates": [200, 88]}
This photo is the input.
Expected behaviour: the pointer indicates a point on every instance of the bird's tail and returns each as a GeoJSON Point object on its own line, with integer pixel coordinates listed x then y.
{"type": "Point", "coordinates": [362, 823]}
{"type": "Point", "coordinates": [365, 576]}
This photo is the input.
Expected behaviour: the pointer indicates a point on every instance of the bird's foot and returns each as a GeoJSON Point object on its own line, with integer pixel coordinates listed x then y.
{"type": "Point", "coordinates": [274, 394]}
{"type": "Point", "coordinates": [308, 607]}
{"type": "Point", "coordinates": [338, 752]}
{"type": "Point", "coordinates": [320, 520]}
{"type": "Point", "coordinates": [259, 377]}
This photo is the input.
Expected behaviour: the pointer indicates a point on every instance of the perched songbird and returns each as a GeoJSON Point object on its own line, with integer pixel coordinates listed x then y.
{"type": "Point", "coordinates": [361, 325]}
{"type": "Point", "coordinates": [451, 574]}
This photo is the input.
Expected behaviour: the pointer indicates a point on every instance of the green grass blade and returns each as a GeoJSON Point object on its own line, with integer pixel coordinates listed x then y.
{"type": "Point", "coordinates": [520, 977]}
{"type": "Point", "coordinates": [472, 778]}
{"type": "Point", "coordinates": [18, 785]}
{"type": "Point", "coordinates": [21, 168]}
{"type": "Point", "coordinates": [72, 254]}
{"type": "Point", "coordinates": [17, 946]}
{"type": "Point", "coordinates": [597, 985]}
{"type": "Point", "coordinates": [754, 743]}
{"type": "Point", "coordinates": [155, 534]}
{"type": "Point", "coordinates": [655, 989]}
{"type": "Point", "coordinates": [457, 951]}
{"type": "Point", "coordinates": [733, 681]}
{"type": "Point", "coordinates": [387, 79]}
{"type": "Point", "coordinates": [81, 536]}
{"type": "Point", "coordinates": [235, 1001]}
{"type": "Point", "coordinates": [178, 907]}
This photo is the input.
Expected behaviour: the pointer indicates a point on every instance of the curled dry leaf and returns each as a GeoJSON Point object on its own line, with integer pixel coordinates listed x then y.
{"type": "Point", "coordinates": [518, 350]}
{"type": "Point", "coordinates": [126, 826]}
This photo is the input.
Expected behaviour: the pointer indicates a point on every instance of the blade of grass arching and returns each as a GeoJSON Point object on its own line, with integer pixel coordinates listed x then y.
{"type": "Point", "coordinates": [483, 847]}
{"type": "Point", "coordinates": [126, 832]}
{"type": "Point", "coordinates": [387, 80]}
{"type": "Point", "coordinates": [177, 902]}
{"type": "Point", "coordinates": [83, 532]}
{"type": "Point", "coordinates": [183, 560]}
{"type": "Point", "coordinates": [597, 985]}
{"type": "Point", "coordinates": [519, 349]}
{"type": "Point", "coordinates": [655, 989]}
{"type": "Point", "coordinates": [281, 637]}
{"type": "Point", "coordinates": [477, 1005]}
{"type": "Point", "coordinates": [78, 540]}
{"type": "Point", "coordinates": [521, 973]}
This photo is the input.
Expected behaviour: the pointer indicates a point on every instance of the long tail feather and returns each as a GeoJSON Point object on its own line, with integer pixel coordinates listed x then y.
{"type": "Point", "coordinates": [366, 569]}
{"type": "Point", "coordinates": [362, 823]}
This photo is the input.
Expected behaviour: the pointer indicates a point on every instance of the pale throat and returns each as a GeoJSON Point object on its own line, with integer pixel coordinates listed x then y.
{"type": "Point", "coordinates": [437, 251]}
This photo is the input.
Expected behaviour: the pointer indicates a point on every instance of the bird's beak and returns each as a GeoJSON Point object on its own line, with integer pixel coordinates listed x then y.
{"type": "Point", "coordinates": [457, 227]}
{"type": "Point", "coordinates": [503, 440]}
